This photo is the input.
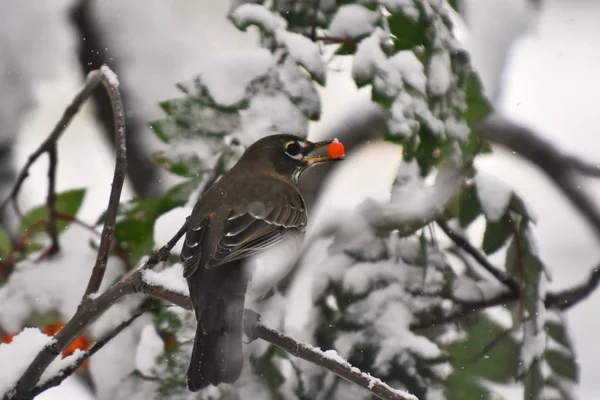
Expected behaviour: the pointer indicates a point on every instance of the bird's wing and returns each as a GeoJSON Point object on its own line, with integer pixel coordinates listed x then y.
{"type": "Point", "coordinates": [216, 237]}
{"type": "Point", "coordinates": [252, 229]}
{"type": "Point", "coordinates": [193, 244]}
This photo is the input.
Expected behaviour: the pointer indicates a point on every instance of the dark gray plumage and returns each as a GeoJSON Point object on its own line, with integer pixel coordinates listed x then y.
{"type": "Point", "coordinates": [253, 206]}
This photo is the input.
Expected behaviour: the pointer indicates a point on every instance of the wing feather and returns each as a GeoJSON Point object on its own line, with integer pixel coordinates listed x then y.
{"type": "Point", "coordinates": [217, 237]}
{"type": "Point", "coordinates": [249, 232]}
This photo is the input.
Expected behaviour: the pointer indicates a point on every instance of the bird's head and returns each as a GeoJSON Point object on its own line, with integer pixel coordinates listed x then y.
{"type": "Point", "coordinates": [285, 155]}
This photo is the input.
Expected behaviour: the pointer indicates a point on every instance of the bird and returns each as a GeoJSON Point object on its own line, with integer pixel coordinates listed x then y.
{"type": "Point", "coordinates": [253, 206]}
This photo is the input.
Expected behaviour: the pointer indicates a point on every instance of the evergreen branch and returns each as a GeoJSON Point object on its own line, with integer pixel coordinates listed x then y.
{"type": "Point", "coordinates": [111, 84]}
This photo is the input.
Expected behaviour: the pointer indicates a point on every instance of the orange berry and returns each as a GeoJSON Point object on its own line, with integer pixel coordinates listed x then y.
{"type": "Point", "coordinates": [6, 338]}
{"type": "Point", "coordinates": [79, 343]}
{"type": "Point", "coordinates": [335, 150]}
{"type": "Point", "coordinates": [53, 329]}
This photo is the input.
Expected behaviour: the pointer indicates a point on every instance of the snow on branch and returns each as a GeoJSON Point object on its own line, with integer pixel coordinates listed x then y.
{"type": "Point", "coordinates": [329, 359]}
{"type": "Point", "coordinates": [415, 208]}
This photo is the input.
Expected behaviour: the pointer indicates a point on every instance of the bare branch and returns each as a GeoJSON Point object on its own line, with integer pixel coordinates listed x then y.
{"type": "Point", "coordinates": [559, 168]}
{"type": "Point", "coordinates": [51, 200]}
{"type": "Point", "coordinates": [465, 309]}
{"type": "Point", "coordinates": [464, 244]}
{"type": "Point", "coordinates": [88, 312]}
{"type": "Point", "coordinates": [92, 81]}
{"type": "Point", "coordinates": [70, 370]}
{"type": "Point", "coordinates": [569, 297]}
{"type": "Point", "coordinates": [108, 232]}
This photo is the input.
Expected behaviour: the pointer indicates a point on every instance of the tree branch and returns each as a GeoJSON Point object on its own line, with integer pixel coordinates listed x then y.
{"type": "Point", "coordinates": [328, 359]}
{"type": "Point", "coordinates": [465, 309]}
{"type": "Point", "coordinates": [559, 168]}
{"type": "Point", "coordinates": [112, 87]}
{"type": "Point", "coordinates": [464, 244]}
{"type": "Point", "coordinates": [88, 312]}
{"type": "Point", "coordinates": [569, 297]}
{"type": "Point", "coordinates": [51, 200]}
{"type": "Point", "coordinates": [92, 81]}
{"type": "Point", "coordinates": [70, 370]}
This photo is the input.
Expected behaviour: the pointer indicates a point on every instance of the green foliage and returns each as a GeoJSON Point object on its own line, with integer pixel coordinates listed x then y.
{"type": "Point", "coordinates": [67, 202]}
{"type": "Point", "coordinates": [496, 234]}
{"type": "Point", "coordinates": [5, 243]}
{"type": "Point", "coordinates": [465, 206]}
{"type": "Point", "coordinates": [422, 76]}
{"type": "Point", "coordinates": [134, 230]}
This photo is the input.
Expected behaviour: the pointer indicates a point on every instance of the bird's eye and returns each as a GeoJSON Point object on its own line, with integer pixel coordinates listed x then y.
{"type": "Point", "coordinates": [293, 150]}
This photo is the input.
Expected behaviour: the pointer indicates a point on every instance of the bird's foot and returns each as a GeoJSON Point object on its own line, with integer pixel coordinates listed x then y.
{"type": "Point", "coordinates": [251, 319]}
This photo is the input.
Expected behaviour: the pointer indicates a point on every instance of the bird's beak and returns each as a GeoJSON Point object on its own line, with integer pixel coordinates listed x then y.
{"type": "Point", "coordinates": [316, 160]}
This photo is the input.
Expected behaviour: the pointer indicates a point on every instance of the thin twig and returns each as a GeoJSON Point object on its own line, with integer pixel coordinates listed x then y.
{"type": "Point", "coordinates": [92, 81]}
{"type": "Point", "coordinates": [70, 370]}
{"type": "Point", "coordinates": [559, 168]}
{"type": "Point", "coordinates": [465, 309]}
{"type": "Point", "coordinates": [8, 261]}
{"type": "Point", "coordinates": [464, 244]}
{"type": "Point", "coordinates": [51, 200]}
{"type": "Point", "coordinates": [89, 311]}
{"type": "Point", "coordinates": [490, 345]}
{"type": "Point", "coordinates": [117, 246]}
{"type": "Point", "coordinates": [334, 39]}
{"type": "Point", "coordinates": [108, 231]}
{"type": "Point", "coordinates": [569, 297]}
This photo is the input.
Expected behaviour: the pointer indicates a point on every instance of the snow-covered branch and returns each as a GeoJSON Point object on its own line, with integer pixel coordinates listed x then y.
{"type": "Point", "coordinates": [329, 359]}
{"type": "Point", "coordinates": [71, 368]}
{"type": "Point", "coordinates": [91, 310]}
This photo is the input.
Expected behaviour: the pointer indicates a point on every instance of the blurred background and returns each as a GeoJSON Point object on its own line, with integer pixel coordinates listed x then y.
{"type": "Point", "coordinates": [538, 61]}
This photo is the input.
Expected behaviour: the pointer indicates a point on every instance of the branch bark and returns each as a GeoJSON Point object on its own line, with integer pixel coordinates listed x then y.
{"type": "Point", "coordinates": [464, 244]}
{"type": "Point", "coordinates": [136, 284]}
{"type": "Point", "coordinates": [88, 312]}
{"type": "Point", "coordinates": [72, 109]}
{"type": "Point", "coordinates": [560, 168]}
{"type": "Point", "coordinates": [329, 360]}
{"type": "Point", "coordinates": [112, 87]}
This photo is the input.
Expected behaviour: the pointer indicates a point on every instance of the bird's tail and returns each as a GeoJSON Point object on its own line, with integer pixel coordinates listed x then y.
{"type": "Point", "coordinates": [217, 354]}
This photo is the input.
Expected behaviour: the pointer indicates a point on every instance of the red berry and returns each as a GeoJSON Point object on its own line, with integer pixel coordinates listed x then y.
{"type": "Point", "coordinates": [335, 150]}
{"type": "Point", "coordinates": [6, 338]}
